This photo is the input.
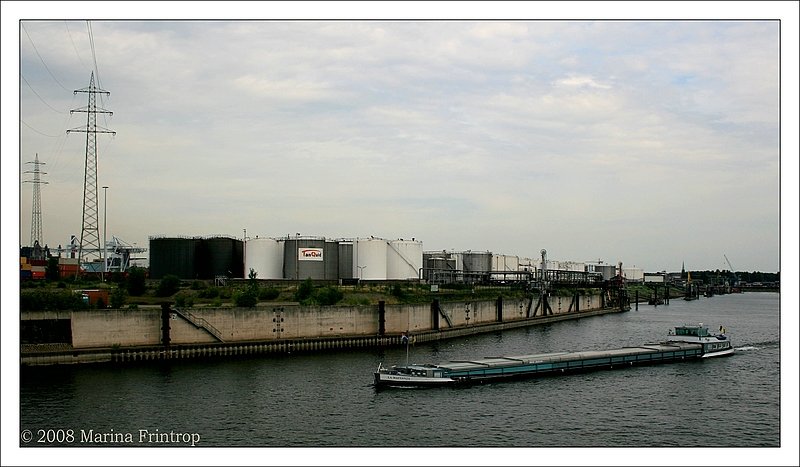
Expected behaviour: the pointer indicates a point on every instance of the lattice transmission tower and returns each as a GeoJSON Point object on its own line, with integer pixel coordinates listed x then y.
{"type": "Point", "coordinates": [90, 234]}
{"type": "Point", "coordinates": [36, 212]}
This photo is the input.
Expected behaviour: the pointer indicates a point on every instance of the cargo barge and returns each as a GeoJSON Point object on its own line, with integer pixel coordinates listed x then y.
{"type": "Point", "coordinates": [683, 343]}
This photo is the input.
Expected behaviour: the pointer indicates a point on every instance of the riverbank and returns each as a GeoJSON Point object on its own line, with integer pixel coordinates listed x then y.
{"type": "Point", "coordinates": [103, 337]}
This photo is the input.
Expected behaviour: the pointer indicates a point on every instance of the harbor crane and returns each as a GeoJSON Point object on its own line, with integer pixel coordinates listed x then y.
{"type": "Point", "coordinates": [735, 276]}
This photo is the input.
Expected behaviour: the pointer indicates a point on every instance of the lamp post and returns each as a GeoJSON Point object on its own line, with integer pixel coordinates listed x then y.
{"type": "Point", "coordinates": [244, 253]}
{"type": "Point", "coordinates": [297, 257]}
{"type": "Point", "coordinates": [360, 273]}
{"type": "Point", "coordinates": [105, 255]}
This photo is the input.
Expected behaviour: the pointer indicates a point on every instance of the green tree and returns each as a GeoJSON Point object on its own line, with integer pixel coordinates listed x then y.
{"type": "Point", "coordinates": [305, 290]}
{"type": "Point", "coordinates": [248, 297]}
{"type": "Point", "coordinates": [44, 300]}
{"type": "Point", "coordinates": [118, 298]}
{"type": "Point", "coordinates": [328, 296]}
{"type": "Point", "coordinates": [184, 300]}
{"type": "Point", "coordinates": [136, 282]}
{"type": "Point", "coordinates": [245, 298]}
{"type": "Point", "coordinates": [51, 273]}
{"type": "Point", "coordinates": [168, 286]}
{"type": "Point", "coordinates": [268, 293]}
{"type": "Point", "coordinates": [398, 292]}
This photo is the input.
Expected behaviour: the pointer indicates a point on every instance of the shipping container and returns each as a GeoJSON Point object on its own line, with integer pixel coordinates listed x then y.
{"type": "Point", "coordinates": [95, 295]}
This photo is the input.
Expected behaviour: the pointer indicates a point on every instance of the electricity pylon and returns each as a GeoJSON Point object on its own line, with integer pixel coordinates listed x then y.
{"type": "Point", "coordinates": [90, 234]}
{"type": "Point", "coordinates": [36, 212]}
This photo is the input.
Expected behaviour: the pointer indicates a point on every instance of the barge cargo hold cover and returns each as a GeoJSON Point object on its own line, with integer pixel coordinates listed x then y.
{"type": "Point", "coordinates": [523, 366]}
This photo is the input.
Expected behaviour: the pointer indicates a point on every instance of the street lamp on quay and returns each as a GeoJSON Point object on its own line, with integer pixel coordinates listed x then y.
{"type": "Point", "coordinates": [361, 273]}
{"type": "Point", "coordinates": [105, 254]}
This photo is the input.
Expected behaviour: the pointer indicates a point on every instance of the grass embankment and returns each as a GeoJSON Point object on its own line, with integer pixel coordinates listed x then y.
{"type": "Point", "coordinates": [51, 295]}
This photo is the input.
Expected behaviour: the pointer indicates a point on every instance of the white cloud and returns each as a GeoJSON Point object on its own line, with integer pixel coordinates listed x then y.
{"type": "Point", "coordinates": [410, 126]}
{"type": "Point", "coordinates": [580, 82]}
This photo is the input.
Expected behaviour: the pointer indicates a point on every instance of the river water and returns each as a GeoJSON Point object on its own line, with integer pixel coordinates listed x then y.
{"type": "Point", "coordinates": [327, 400]}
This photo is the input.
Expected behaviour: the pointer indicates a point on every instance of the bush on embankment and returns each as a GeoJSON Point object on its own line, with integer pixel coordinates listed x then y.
{"type": "Point", "coordinates": [50, 300]}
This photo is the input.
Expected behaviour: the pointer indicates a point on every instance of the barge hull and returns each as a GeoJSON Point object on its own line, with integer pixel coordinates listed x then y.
{"type": "Point", "coordinates": [492, 369]}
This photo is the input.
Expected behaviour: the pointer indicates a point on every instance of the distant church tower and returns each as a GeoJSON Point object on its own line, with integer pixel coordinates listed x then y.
{"type": "Point", "coordinates": [683, 269]}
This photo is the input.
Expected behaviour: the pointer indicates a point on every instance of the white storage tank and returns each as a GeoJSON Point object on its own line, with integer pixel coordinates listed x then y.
{"type": "Point", "coordinates": [633, 274]}
{"type": "Point", "coordinates": [404, 259]}
{"type": "Point", "coordinates": [505, 263]}
{"type": "Point", "coordinates": [527, 264]}
{"type": "Point", "coordinates": [265, 257]}
{"type": "Point", "coordinates": [573, 266]}
{"type": "Point", "coordinates": [458, 257]}
{"type": "Point", "coordinates": [369, 258]}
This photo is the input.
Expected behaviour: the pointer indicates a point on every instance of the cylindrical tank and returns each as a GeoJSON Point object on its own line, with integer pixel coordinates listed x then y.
{"type": "Point", "coordinates": [265, 257]}
{"type": "Point", "coordinates": [505, 263]}
{"type": "Point", "coordinates": [219, 256]}
{"type": "Point", "coordinates": [439, 267]}
{"type": "Point", "coordinates": [477, 261]}
{"type": "Point", "coordinates": [347, 269]}
{"type": "Point", "coordinates": [305, 257]}
{"type": "Point", "coordinates": [223, 259]}
{"type": "Point", "coordinates": [404, 259]}
{"type": "Point", "coordinates": [527, 264]}
{"type": "Point", "coordinates": [370, 258]}
{"type": "Point", "coordinates": [172, 256]}
{"type": "Point", "coordinates": [573, 266]}
{"type": "Point", "coordinates": [477, 266]}
{"type": "Point", "coordinates": [331, 260]}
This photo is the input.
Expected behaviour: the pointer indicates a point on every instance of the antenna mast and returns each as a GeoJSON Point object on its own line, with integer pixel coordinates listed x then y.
{"type": "Point", "coordinates": [36, 214]}
{"type": "Point", "coordinates": [90, 234]}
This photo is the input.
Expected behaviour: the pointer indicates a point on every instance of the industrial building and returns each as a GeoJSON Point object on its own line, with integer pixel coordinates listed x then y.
{"type": "Point", "coordinates": [290, 258]}
{"type": "Point", "coordinates": [349, 260]}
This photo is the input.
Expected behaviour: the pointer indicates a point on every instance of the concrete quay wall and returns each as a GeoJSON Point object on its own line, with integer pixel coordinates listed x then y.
{"type": "Point", "coordinates": [136, 328]}
{"type": "Point", "coordinates": [124, 355]}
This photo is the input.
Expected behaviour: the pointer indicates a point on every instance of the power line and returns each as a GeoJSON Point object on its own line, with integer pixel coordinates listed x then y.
{"type": "Point", "coordinates": [73, 44]}
{"type": "Point", "coordinates": [40, 57]}
{"type": "Point", "coordinates": [40, 97]}
{"type": "Point", "coordinates": [37, 131]}
{"type": "Point", "coordinates": [94, 59]}
{"type": "Point", "coordinates": [94, 55]}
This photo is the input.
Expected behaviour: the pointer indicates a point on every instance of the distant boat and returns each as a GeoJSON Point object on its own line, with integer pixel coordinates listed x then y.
{"type": "Point", "coordinates": [691, 291]}
{"type": "Point", "coordinates": [714, 344]}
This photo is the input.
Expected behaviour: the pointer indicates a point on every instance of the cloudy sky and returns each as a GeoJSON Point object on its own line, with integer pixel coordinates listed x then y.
{"type": "Point", "coordinates": [654, 143]}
